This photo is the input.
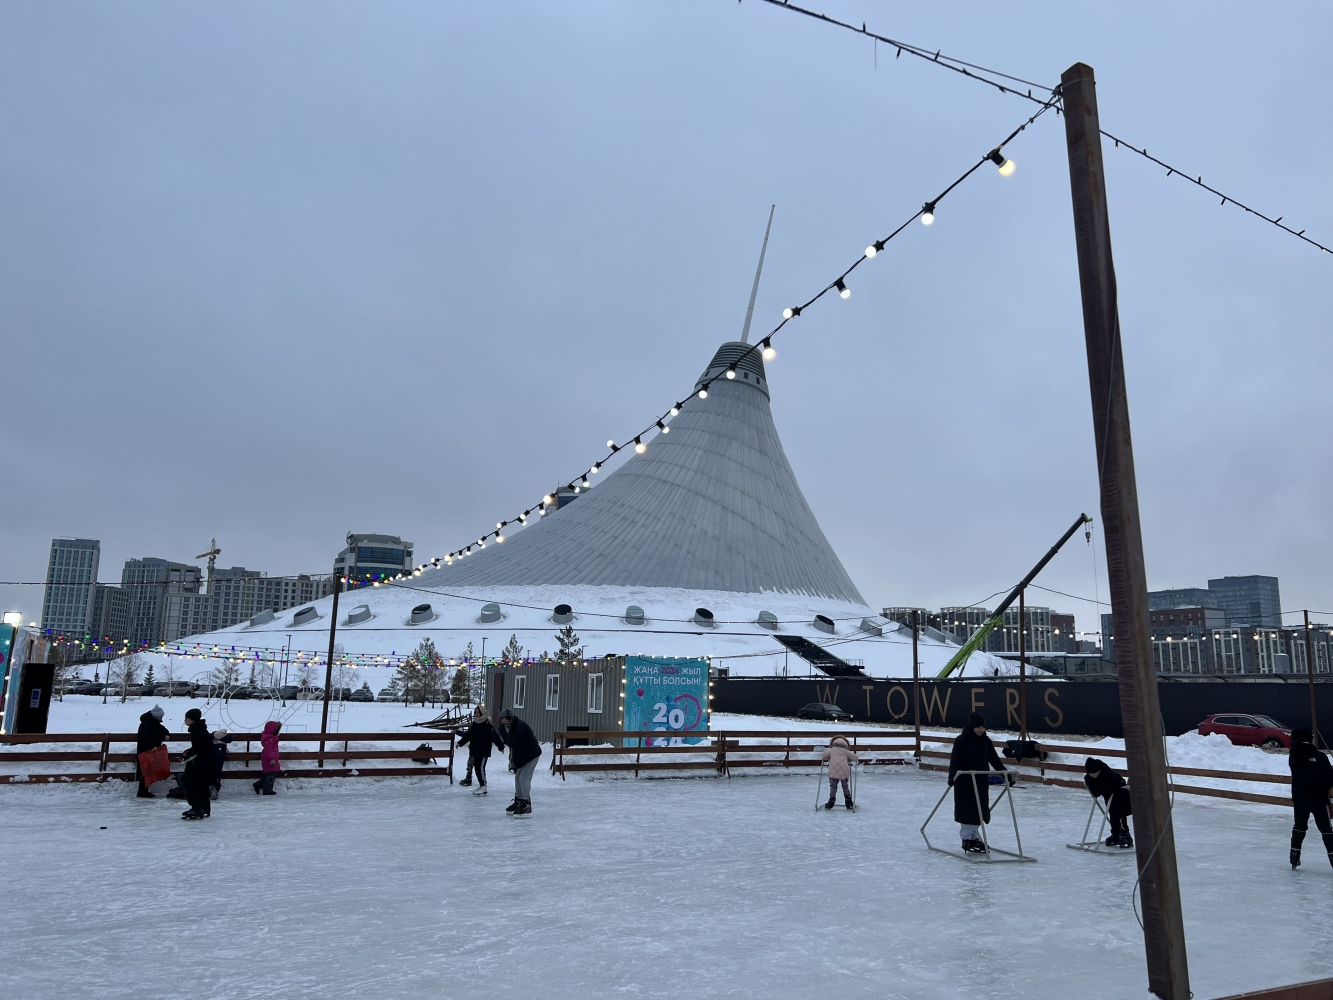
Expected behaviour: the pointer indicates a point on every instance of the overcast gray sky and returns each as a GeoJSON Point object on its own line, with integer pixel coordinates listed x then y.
{"type": "Point", "coordinates": [274, 272]}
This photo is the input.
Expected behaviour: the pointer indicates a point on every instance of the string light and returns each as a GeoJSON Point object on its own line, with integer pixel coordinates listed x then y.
{"type": "Point", "coordinates": [791, 312]}
{"type": "Point", "coordinates": [731, 373]}
{"type": "Point", "coordinates": [768, 353]}
{"type": "Point", "coordinates": [843, 290]}
{"type": "Point", "coordinates": [874, 248]}
{"type": "Point", "coordinates": [1006, 166]}
{"type": "Point", "coordinates": [675, 410]}
{"type": "Point", "coordinates": [663, 427]}
{"type": "Point", "coordinates": [703, 393]}
{"type": "Point", "coordinates": [927, 213]}
{"type": "Point", "coordinates": [639, 448]}
{"type": "Point", "coordinates": [1004, 83]}
{"type": "Point", "coordinates": [612, 445]}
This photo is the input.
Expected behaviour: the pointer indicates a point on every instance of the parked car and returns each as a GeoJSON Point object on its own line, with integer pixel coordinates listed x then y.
{"type": "Point", "coordinates": [1247, 730]}
{"type": "Point", "coordinates": [388, 694]}
{"type": "Point", "coordinates": [361, 694]}
{"type": "Point", "coordinates": [85, 687]}
{"type": "Point", "coordinates": [288, 692]}
{"type": "Point", "coordinates": [175, 689]}
{"type": "Point", "coordinates": [310, 694]}
{"type": "Point", "coordinates": [823, 710]}
{"type": "Point", "coordinates": [241, 693]}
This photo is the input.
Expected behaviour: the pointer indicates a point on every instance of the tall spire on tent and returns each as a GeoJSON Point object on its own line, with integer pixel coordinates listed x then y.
{"type": "Point", "coordinates": [749, 312]}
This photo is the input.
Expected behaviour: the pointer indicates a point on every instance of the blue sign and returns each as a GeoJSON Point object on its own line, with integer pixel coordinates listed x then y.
{"type": "Point", "coordinates": [666, 693]}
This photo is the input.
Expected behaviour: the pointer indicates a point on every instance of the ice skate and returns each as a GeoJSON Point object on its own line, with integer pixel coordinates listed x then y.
{"type": "Point", "coordinates": [480, 791]}
{"type": "Point", "coordinates": [974, 846]}
{"type": "Point", "coordinates": [512, 807]}
{"type": "Point", "coordinates": [258, 787]}
{"type": "Point", "coordinates": [144, 793]}
{"type": "Point", "coordinates": [830, 804]}
{"type": "Point", "coordinates": [465, 782]}
{"type": "Point", "coordinates": [524, 807]}
{"type": "Point", "coordinates": [1295, 858]}
{"type": "Point", "coordinates": [849, 804]}
{"type": "Point", "coordinates": [191, 814]}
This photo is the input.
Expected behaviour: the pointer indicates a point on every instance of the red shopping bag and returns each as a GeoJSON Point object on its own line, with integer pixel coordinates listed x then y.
{"type": "Point", "coordinates": [155, 765]}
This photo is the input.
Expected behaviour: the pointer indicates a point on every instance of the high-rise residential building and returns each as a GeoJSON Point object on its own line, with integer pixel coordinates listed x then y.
{"type": "Point", "coordinates": [71, 582]}
{"type": "Point", "coordinates": [1180, 597]}
{"type": "Point", "coordinates": [1247, 600]}
{"type": "Point", "coordinates": [111, 613]}
{"type": "Point", "coordinates": [1036, 631]}
{"type": "Point", "coordinates": [148, 582]}
{"type": "Point", "coordinates": [235, 595]}
{"type": "Point", "coordinates": [963, 623]}
{"type": "Point", "coordinates": [368, 558]}
{"type": "Point", "coordinates": [1063, 637]}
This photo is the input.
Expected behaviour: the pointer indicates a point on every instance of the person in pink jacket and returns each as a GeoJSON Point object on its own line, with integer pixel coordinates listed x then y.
{"type": "Point", "coordinates": [268, 759]}
{"type": "Point", "coordinates": [840, 756]}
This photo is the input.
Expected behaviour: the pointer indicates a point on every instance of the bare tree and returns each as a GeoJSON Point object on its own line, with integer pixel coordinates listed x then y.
{"type": "Point", "coordinates": [122, 673]}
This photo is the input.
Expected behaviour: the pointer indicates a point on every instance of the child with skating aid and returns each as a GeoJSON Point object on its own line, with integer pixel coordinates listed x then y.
{"type": "Point", "coordinates": [840, 757]}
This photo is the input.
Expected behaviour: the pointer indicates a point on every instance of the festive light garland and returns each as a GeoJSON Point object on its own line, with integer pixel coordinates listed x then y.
{"type": "Point", "coordinates": [983, 75]}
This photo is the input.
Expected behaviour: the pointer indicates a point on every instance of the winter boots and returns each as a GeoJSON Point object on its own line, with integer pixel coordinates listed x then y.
{"type": "Point", "coordinates": [1297, 838]}
{"type": "Point", "coordinates": [524, 807]}
{"type": "Point", "coordinates": [830, 803]}
{"type": "Point", "coordinates": [512, 807]}
{"type": "Point", "coordinates": [974, 846]}
{"type": "Point", "coordinates": [466, 781]}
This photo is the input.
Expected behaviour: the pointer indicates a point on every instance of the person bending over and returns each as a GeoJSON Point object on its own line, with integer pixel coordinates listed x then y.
{"type": "Point", "coordinates": [1104, 783]}
{"type": "Point", "coordinates": [1311, 779]}
{"type": "Point", "coordinates": [523, 753]}
{"type": "Point", "coordinates": [972, 751]}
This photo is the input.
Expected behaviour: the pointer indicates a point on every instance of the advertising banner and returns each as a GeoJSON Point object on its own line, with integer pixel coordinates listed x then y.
{"type": "Point", "coordinates": [668, 694]}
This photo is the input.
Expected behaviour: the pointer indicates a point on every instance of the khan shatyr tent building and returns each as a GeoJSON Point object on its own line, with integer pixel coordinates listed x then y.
{"type": "Point", "coordinates": [703, 545]}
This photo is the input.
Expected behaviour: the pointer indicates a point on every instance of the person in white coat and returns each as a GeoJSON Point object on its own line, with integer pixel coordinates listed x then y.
{"type": "Point", "coordinates": [840, 756]}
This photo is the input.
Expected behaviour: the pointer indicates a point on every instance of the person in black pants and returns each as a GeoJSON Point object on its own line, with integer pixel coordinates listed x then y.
{"type": "Point", "coordinates": [200, 766]}
{"type": "Point", "coordinates": [152, 734]}
{"type": "Point", "coordinates": [479, 739]}
{"type": "Point", "coordinates": [973, 751]}
{"type": "Point", "coordinates": [1105, 784]}
{"type": "Point", "coordinates": [1311, 779]}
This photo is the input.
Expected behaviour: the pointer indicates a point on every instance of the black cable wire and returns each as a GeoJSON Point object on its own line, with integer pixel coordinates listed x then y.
{"type": "Point", "coordinates": [964, 68]}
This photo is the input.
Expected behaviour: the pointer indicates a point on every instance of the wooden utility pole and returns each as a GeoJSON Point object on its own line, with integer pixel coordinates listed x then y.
{"type": "Point", "coordinates": [1022, 669]}
{"type": "Point", "coordinates": [328, 666]}
{"type": "Point", "coordinates": [1141, 715]}
{"type": "Point", "coordinates": [1309, 671]}
{"type": "Point", "coordinates": [916, 688]}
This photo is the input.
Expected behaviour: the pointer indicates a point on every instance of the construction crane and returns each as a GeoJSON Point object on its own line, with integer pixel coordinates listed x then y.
{"type": "Point", "coordinates": [974, 643]}
{"type": "Point", "coordinates": [212, 556]}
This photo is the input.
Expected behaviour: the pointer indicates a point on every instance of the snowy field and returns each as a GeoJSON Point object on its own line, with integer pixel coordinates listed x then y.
{"type": "Point", "coordinates": [648, 888]}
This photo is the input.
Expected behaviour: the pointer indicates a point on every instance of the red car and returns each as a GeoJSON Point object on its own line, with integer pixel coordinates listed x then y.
{"type": "Point", "coordinates": [1248, 730]}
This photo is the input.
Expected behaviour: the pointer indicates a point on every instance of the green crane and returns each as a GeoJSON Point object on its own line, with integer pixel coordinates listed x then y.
{"type": "Point", "coordinates": [973, 644]}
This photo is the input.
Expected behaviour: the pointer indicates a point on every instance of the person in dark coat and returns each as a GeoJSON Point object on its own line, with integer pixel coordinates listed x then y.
{"type": "Point", "coordinates": [200, 766]}
{"type": "Point", "coordinates": [479, 739]}
{"type": "Point", "coordinates": [1104, 783]}
{"type": "Point", "coordinates": [152, 734]}
{"type": "Point", "coordinates": [1311, 780]}
{"type": "Point", "coordinates": [221, 739]}
{"type": "Point", "coordinates": [972, 751]}
{"type": "Point", "coordinates": [523, 753]}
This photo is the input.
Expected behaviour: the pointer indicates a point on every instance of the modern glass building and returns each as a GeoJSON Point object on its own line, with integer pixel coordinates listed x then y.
{"type": "Point", "coordinates": [368, 558]}
{"type": "Point", "coordinates": [71, 582]}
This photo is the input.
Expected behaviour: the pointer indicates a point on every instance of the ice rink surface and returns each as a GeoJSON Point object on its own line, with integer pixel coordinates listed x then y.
{"type": "Point", "coordinates": [701, 887]}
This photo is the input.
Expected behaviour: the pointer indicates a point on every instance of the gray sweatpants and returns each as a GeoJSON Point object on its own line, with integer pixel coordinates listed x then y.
{"type": "Point", "coordinates": [523, 780]}
{"type": "Point", "coordinates": [969, 831]}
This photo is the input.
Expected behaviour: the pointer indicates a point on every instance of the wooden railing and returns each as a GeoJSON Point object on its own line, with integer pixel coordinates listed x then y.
{"type": "Point", "coordinates": [1041, 767]}
{"type": "Point", "coordinates": [718, 752]}
{"type": "Point", "coordinates": [337, 746]}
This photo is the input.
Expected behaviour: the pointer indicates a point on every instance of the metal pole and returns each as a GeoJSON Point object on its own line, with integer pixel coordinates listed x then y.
{"type": "Point", "coordinates": [1309, 670]}
{"type": "Point", "coordinates": [1022, 666]}
{"type": "Point", "coordinates": [1140, 712]}
{"type": "Point", "coordinates": [916, 687]}
{"type": "Point", "coordinates": [328, 666]}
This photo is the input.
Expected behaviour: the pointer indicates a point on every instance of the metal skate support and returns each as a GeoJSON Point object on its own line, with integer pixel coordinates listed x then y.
{"type": "Point", "coordinates": [992, 855]}
{"type": "Point", "coordinates": [819, 789]}
{"type": "Point", "coordinates": [1097, 845]}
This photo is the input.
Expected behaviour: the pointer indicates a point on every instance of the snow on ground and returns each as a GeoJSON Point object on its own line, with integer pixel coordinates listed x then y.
{"type": "Point", "coordinates": [707, 887]}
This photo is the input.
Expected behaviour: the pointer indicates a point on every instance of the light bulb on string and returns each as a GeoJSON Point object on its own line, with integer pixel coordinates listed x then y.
{"type": "Point", "coordinates": [791, 311]}
{"type": "Point", "coordinates": [731, 373]}
{"type": "Point", "coordinates": [584, 482]}
{"type": "Point", "coordinates": [663, 427]}
{"type": "Point", "coordinates": [612, 445]}
{"type": "Point", "coordinates": [675, 410]}
{"type": "Point", "coordinates": [596, 468]}
{"type": "Point", "coordinates": [768, 353]}
{"type": "Point", "coordinates": [927, 213]}
{"type": "Point", "coordinates": [1006, 166]}
{"type": "Point", "coordinates": [499, 538]}
{"type": "Point", "coordinates": [874, 248]}
{"type": "Point", "coordinates": [547, 498]}
{"type": "Point", "coordinates": [639, 446]}
{"type": "Point", "coordinates": [842, 288]}
{"type": "Point", "coordinates": [703, 393]}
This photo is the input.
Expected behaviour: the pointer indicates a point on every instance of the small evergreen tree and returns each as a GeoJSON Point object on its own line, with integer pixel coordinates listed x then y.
{"type": "Point", "coordinates": [250, 682]}
{"type": "Point", "coordinates": [429, 666]}
{"type": "Point", "coordinates": [460, 690]}
{"type": "Point", "coordinates": [148, 677]}
{"type": "Point", "coordinates": [569, 644]}
{"type": "Point", "coordinates": [512, 653]}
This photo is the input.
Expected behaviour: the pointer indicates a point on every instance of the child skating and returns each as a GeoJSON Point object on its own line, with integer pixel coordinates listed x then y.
{"type": "Point", "coordinates": [840, 757]}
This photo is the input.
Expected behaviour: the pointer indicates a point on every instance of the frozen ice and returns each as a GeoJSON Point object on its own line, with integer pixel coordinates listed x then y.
{"type": "Point", "coordinates": [705, 886]}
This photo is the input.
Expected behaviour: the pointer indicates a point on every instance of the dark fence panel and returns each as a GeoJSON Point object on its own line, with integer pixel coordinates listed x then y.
{"type": "Point", "coordinates": [1084, 707]}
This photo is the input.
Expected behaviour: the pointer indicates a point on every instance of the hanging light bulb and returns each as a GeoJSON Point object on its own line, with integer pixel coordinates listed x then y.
{"type": "Point", "coordinates": [842, 288]}
{"type": "Point", "coordinates": [703, 393]}
{"type": "Point", "coordinates": [572, 487]}
{"type": "Point", "coordinates": [663, 427]}
{"type": "Point", "coordinates": [1006, 166]}
{"type": "Point", "coordinates": [612, 445]}
{"type": "Point", "coordinates": [731, 373]}
{"type": "Point", "coordinates": [499, 538]}
{"type": "Point", "coordinates": [874, 248]}
{"type": "Point", "coordinates": [522, 518]}
{"type": "Point", "coordinates": [499, 524]}
{"type": "Point", "coordinates": [768, 353]}
{"type": "Point", "coordinates": [675, 410]}
{"type": "Point", "coordinates": [584, 482]}
{"type": "Point", "coordinates": [639, 446]}
{"type": "Point", "coordinates": [791, 311]}
{"type": "Point", "coordinates": [547, 498]}
{"type": "Point", "coordinates": [927, 213]}
{"type": "Point", "coordinates": [596, 468]}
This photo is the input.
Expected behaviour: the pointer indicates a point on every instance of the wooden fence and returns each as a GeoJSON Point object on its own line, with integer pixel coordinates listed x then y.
{"type": "Point", "coordinates": [718, 752]}
{"type": "Point", "coordinates": [338, 746]}
{"type": "Point", "coordinates": [1041, 768]}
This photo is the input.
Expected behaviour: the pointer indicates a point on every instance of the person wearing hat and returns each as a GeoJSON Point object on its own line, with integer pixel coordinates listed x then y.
{"type": "Point", "coordinates": [152, 734]}
{"type": "Point", "coordinates": [220, 740]}
{"type": "Point", "coordinates": [840, 757]}
{"type": "Point", "coordinates": [1103, 782]}
{"type": "Point", "coordinates": [972, 751]}
{"type": "Point", "coordinates": [479, 739]}
{"type": "Point", "coordinates": [523, 753]}
{"type": "Point", "coordinates": [200, 766]}
{"type": "Point", "coordinates": [1311, 780]}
